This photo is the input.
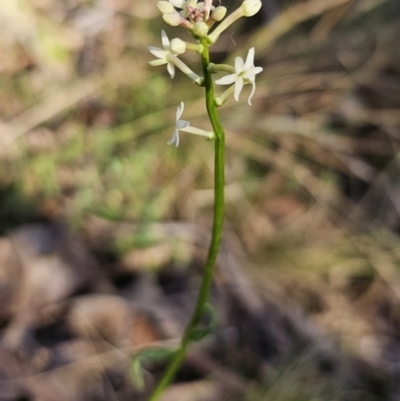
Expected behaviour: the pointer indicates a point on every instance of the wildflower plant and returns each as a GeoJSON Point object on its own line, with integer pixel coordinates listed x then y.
{"type": "Point", "coordinates": [204, 23]}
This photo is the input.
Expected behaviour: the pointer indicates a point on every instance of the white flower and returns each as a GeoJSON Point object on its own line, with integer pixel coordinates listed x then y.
{"type": "Point", "coordinates": [168, 56]}
{"type": "Point", "coordinates": [179, 124]}
{"type": "Point", "coordinates": [245, 72]}
{"type": "Point", "coordinates": [162, 55]}
{"type": "Point", "coordinates": [182, 125]}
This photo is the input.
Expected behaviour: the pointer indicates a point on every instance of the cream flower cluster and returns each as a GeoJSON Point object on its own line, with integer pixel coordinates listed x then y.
{"type": "Point", "coordinates": [199, 19]}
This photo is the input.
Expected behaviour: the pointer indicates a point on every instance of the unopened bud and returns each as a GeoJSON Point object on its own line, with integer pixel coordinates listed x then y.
{"type": "Point", "coordinates": [173, 18]}
{"type": "Point", "coordinates": [177, 46]}
{"type": "Point", "coordinates": [251, 7]}
{"type": "Point", "coordinates": [200, 29]}
{"type": "Point", "coordinates": [219, 13]}
{"type": "Point", "coordinates": [165, 7]}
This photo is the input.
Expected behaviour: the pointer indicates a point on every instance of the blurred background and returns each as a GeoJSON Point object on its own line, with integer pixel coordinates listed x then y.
{"type": "Point", "coordinates": [104, 228]}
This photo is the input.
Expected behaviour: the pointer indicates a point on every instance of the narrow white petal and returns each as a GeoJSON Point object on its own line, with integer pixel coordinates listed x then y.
{"type": "Point", "coordinates": [174, 139]}
{"type": "Point", "coordinates": [164, 40]}
{"type": "Point", "coordinates": [179, 111]}
{"type": "Point", "coordinates": [227, 80]}
{"type": "Point", "coordinates": [249, 59]}
{"type": "Point", "coordinates": [208, 6]}
{"type": "Point", "coordinates": [156, 51]}
{"type": "Point", "coordinates": [177, 3]}
{"type": "Point", "coordinates": [171, 69]}
{"type": "Point", "coordinates": [183, 14]}
{"type": "Point", "coordinates": [180, 124]}
{"type": "Point", "coordinates": [238, 88]}
{"type": "Point", "coordinates": [154, 63]}
{"type": "Point", "coordinates": [252, 72]}
{"type": "Point", "coordinates": [239, 65]}
{"type": "Point", "coordinates": [253, 89]}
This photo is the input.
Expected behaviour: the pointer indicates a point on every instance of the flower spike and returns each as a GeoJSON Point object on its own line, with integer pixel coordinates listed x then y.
{"type": "Point", "coordinates": [199, 18]}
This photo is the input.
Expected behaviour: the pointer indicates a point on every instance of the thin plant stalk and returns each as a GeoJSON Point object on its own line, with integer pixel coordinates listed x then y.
{"type": "Point", "coordinates": [218, 217]}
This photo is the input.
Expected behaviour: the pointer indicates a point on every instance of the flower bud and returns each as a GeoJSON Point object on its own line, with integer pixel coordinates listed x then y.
{"type": "Point", "coordinates": [177, 46]}
{"type": "Point", "coordinates": [251, 7]}
{"type": "Point", "coordinates": [165, 7]}
{"type": "Point", "coordinates": [200, 29]}
{"type": "Point", "coordinates": [219, 13]}
{"type": "Point", "coordinates": [173, 18]}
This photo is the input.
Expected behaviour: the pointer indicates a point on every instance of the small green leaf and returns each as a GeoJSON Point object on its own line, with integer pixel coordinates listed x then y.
{"type": "Point", "coordinates": [201, 332]}
{"type": "Point", "coordinates": [147, 355]}
{"type": "Point", "coordinates": [137, 372]}
{"type": "Point", "coordinates": [156, 354]}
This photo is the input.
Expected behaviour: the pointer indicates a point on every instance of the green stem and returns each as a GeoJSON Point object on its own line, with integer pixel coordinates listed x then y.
{"type": "Point", "coordinates": [219, 182]}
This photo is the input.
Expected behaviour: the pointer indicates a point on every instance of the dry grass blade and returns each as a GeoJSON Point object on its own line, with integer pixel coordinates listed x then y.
{"type": "Point", "coordinates": [266, 36]}
{"type": "Point", "coordinates": [283, 164]}
{"type": "Point", "coordinates": [49, 108]}
{"type": "Point", "coordinates": [383, 262]}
